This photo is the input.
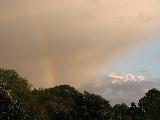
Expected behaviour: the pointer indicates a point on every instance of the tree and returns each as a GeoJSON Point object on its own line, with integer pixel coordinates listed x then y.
{"type": "Point", "coordinates": [66, 103]}
{"type": "Point", "coordinates": [135, 112]}
{"type": "Point", "coordinates": [8, 110]}
{"type": "Point", "coordinates": [18, 91]}
{"type": "Point", "coordinates": [60, 102]}
{"type": "Point", "coordinates": [120, 112]}
{"type": "Point", "coordinates": [150, 104]}
{"type": "Point", "coordinates": [19, 102]}
{"type": "Point", "coordinates": [97, 108]}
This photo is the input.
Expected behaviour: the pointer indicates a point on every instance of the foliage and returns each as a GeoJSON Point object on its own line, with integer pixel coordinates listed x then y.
{"type": "Point", "coordinates": [16, 91]}
{"type": "Point", "coordinates": [8, 109]}
{"type": "Point", "coordinates": [136, 112]}
{"type": "Point", "coordinates": [150, 104]}
{"type": "Point", "coordinates": [19, 102]}
{"type": "Point", "coordinates": [120, 112]}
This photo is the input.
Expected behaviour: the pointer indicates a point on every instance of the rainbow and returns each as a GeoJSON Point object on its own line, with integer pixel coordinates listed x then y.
{"type": "Point", "coordinates": [50, 73]}
{"type": "Point", "coordinates": [48, 66]}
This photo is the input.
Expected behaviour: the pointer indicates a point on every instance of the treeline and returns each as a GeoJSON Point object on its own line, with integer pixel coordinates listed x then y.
{"type": "Point", "coordinates": [19, 102]}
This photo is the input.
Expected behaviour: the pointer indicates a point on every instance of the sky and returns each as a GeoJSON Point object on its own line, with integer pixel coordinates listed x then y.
{"type": "Point", "coordinates": [81, 42]}
{"type": "Point", "coordinates": [130, 76]}
{"type": "Point", "coordinates": [142, 60]}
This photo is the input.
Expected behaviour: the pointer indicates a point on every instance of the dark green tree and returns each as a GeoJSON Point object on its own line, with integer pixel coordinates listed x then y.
{"type": "Point", "coordinates": [120, 112]}
{"type": "Point", "coordinates": [19, 102]}
{"type": "Point", "coordinates": [18, 90]}
{"type": "Point", "coordinates": [8, 109]}
{"type": "Point", "coordinates": [55, 103]}
{"type": "Point", "coordinates": [136, 112]}
{"type": "Point", "coordinates": [150, 105]}
{"type": "Point", "coordinates": [96, 107]}
{"type": "Point", "coordinates": [65, 103]}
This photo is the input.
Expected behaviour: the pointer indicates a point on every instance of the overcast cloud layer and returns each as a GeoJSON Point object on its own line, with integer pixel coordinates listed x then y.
{"type": "Point", "coordinates": [77, 36]}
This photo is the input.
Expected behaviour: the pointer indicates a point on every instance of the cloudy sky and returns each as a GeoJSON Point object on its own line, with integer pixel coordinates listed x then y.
{"type": "Point", "coordinates": [82, 42]}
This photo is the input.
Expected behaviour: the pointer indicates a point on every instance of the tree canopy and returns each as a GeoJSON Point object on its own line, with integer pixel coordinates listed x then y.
{"type": "Point", "coordinates": [19, 102]}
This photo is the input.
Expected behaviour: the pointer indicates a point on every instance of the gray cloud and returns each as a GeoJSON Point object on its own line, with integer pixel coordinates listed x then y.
{"type": "Point", "coordinates": [126, 92]}
{"type": "Point", "coordinates": [78, 37]}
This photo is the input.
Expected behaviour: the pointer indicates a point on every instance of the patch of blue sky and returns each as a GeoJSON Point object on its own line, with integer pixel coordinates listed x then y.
{"type": "Point", "coordinates": [142, 60]}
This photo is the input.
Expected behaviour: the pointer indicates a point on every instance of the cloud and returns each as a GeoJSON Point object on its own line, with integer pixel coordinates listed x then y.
{"type": "Point", "coordinates": [78, 37]}
{"type": "Point", "coordinates": [120, 91]}
{"type": "Point", "coordinates": [118, 78]}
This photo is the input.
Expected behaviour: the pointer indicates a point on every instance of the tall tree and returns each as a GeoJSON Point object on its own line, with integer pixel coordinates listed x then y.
{"type": "Point", "coordinates": [18, 90]}
{"type": "Point", "coordinates": [150, 104]}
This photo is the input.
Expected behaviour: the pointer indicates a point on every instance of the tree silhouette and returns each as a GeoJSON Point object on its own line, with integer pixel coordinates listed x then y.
{"type": "Point", "coordinates": [150, 104]}
{"type": "Point", "coordinates": [19, 102]}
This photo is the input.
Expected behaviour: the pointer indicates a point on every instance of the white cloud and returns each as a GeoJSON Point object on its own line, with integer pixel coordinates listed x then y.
{"type": "Point", "coordinates": [119, 78]}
